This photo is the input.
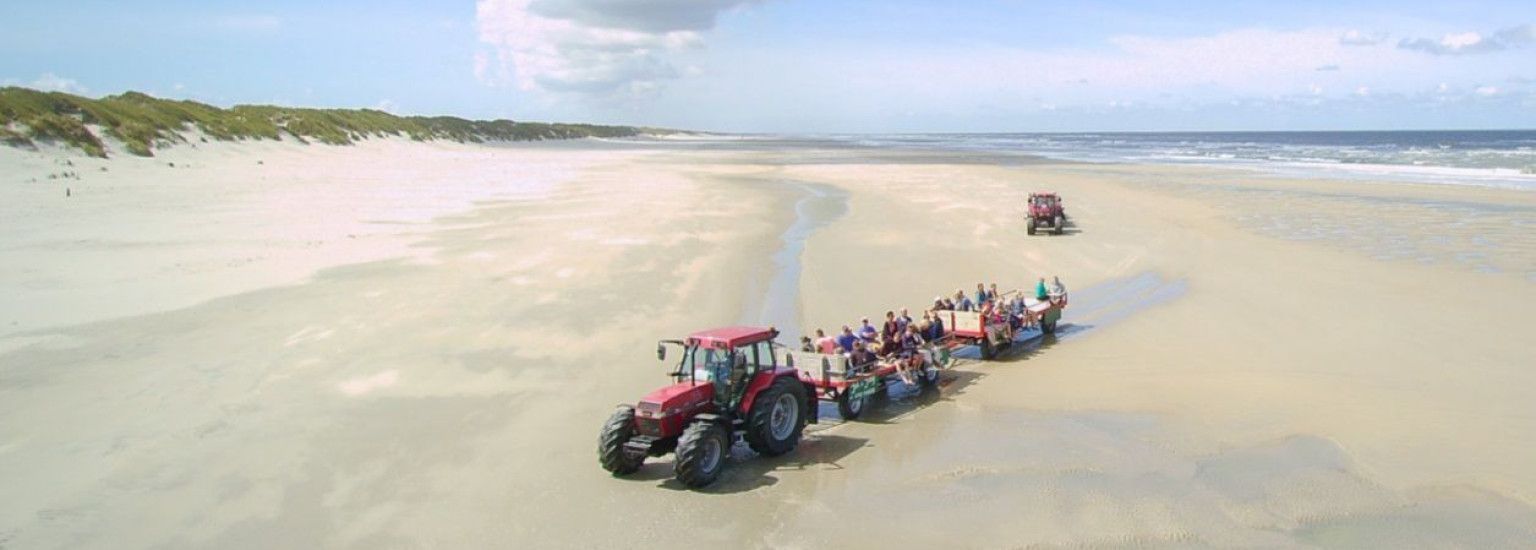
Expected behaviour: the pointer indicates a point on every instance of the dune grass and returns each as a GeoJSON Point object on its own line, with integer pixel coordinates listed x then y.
{"type": "Point", "coordinates": [142, 123]}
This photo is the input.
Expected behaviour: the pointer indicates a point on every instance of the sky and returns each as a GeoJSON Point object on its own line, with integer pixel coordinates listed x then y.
{"type": "Point", "coordinates": [810, 66]}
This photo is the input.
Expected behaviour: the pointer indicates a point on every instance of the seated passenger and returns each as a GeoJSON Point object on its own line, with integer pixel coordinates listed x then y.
{"type": "Point", "coordinates": [892, 328]}
{"type": "Point", "coordinates": [1040, 291]}
{"type": "Point", "coordinates": [846, 340]}
{"type": "Point", "coordinates": [963, 303]}
{"type": "Point", "coordinates": [910, 357]}
{"type": "Point", "coordinates": [981, 295]}
{"type": "Point", "coordinates": [806, 345]}
{"type": "Point", "coordinates": [861, 358]}
{"type": "Point", "coordinates": [1058, 290]}
{"type": "Point", "coordinates": [825, 344]}
{"type": "Point", "coordinates": [938, 303]}
{"type": "Point", "coordinates": [867, 331]}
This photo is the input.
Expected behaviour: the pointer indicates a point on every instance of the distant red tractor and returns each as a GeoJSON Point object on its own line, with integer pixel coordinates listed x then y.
{"type": "Point", "coordinates": [1045, 211]}
{"type": "Point", "coordinates": [729, 381]}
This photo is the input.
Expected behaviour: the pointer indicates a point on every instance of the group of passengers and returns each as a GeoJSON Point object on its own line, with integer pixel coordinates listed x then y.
{"type": "Point", "coordinates": [899, 338]}
{"type": "Point", "coordinates": [997, 307]}
{"type": "Point", "coordinates": [903, 338]}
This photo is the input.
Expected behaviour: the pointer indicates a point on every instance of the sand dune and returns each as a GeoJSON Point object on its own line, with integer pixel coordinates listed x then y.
{"type": "Point", "coordinates": [414, 345]}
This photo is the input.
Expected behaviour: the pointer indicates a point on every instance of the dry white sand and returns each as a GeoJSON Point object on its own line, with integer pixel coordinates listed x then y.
{"type": "Point", "coordinates": [401, 344]}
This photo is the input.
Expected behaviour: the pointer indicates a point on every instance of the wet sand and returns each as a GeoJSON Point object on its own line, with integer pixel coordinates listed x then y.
{"type": "Point", "coordinates": [1248, 361]}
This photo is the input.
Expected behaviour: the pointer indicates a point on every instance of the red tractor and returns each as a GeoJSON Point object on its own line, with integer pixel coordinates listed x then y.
{"type": "Point", "coordinates": [1045, 211]}
{"type": "Point", "coordinates": [729, 381]}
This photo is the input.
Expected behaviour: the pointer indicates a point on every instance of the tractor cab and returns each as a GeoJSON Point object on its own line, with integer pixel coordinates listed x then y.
{"type": "Point", "coordinates": [1044, 203]}
{"type": "Point", "coordinates": [727, 358]}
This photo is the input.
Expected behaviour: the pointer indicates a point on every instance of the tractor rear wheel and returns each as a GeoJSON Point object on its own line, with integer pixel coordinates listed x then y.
{"type": "Point", "coordinates": [1048, 327]}
{"type": "Point", "coordinates": [1030, 226]}
{"type": "Point", "coordinates": [987, 349]}
{"type": "Point", "coordinates": [777, 417]}
{"type": "Point", "coordinates": [1058, 224]}
{"type": "Point", "coordinates": [701, 453]}
{"type": "Point", "coordinates": [851, 407]}
{"type": "Point", "coordinates": [610, 445]}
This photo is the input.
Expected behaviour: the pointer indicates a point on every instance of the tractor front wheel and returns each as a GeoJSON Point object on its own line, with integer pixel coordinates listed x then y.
{"type": "Point", "coordinates": [777, 417]}
{"type": "Point", "coordinates": [1059, 224]}
{"type": "Point", "coordinates": [1030, 226]}
{"type": "Point", "coordinates": [701, 453]}
{"type": "Point", "coordinates": [610, 445]}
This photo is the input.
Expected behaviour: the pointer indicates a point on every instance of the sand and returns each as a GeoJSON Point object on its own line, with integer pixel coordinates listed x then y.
{"type": "Point", "coordinates": [404, 344]}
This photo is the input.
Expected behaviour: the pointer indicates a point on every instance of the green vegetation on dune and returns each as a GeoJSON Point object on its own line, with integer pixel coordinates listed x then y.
{"type": "Point", "coordinates": [142, 123]}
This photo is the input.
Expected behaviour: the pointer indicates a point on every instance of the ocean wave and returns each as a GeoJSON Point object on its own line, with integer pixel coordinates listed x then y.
{"type": "Point", "coordinates": [1487, 158]}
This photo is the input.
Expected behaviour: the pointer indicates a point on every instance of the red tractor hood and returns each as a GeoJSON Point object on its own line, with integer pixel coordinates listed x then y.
{"type": "Point", "coordinates": [673, 392]}
{"type": "Point", "coordinates": [664, 412]}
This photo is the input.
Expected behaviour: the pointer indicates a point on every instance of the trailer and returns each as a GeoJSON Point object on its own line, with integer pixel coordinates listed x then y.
{"type": "Point", "coordinates": [835, 378]}
{"type": "Point", "coordinates": [994, 334]}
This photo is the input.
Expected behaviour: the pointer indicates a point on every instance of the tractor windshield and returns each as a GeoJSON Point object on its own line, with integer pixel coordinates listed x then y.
{"type": "Point", "coordinates": [705, 363]}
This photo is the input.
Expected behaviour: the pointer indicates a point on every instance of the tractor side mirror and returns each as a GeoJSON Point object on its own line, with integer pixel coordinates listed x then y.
{"type": "Point", "coordinates": [789, 360]}
{"type": "Point", "coordinates": [661, 352]}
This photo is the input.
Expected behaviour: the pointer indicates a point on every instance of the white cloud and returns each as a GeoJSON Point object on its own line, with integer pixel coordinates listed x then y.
{"type": "Point", "coordinates": [1487, 91]}
{"type": "Point", "coordinates": [1363, 91]}
{"type": "Point", "coordinates": [1471, 42]}
{"type": "Point", "coordinates": [50, 82]}
{"type": "Point", "coordinates": [594, 47]}
{"type": "Point", "coordinates": [388, 106]}
{"type": "Point", "coordinates": [1358, 38]}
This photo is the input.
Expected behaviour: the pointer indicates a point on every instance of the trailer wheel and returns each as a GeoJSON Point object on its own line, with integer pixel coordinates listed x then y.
{"type": "Point", "coordinates": [987, 350]}
{"type": "Point", "coordinates": [1059, 224]}
{"type": "Point", "coordinates": [850, 407]}
{"type": "Point", "coordinates": [701, 452]}
{"type": "Point", "coordinates": [928, 377]}
{"type": "Point", "coordinates": [777, 419]}
{"type": "Point", "coordinates": [1048, 328]}
{"type": "Point", "coordinates": [1030, 226]}
{"type": "Point", "coordinates": [610, 444]}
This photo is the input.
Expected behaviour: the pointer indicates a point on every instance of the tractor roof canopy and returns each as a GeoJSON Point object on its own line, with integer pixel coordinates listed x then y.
{"type": "Point", "coordinates": [730, 337]}
{"type": "Point", "coordinates": [1043, 194]}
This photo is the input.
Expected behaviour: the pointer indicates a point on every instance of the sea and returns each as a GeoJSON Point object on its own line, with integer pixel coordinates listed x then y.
{"type": "Point", "coordinates": [1492, 158]}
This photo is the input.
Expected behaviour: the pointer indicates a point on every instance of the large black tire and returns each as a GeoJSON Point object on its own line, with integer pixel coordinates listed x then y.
{"type": "Point", "coordinates": [777, 417]}
{"type": "Point", "coordinates": [1048, 328]}
{"type": "Point", "coordinates": [851, 408]}
{"type": "Point", "coordinates": [701, 454]}
{"type": "Point", "coordinates": [987, 349]}
{"type": "Point", "coordinates": [1030, 225]}
{"type": "Point", "coordinates": [1059, 224]}
{"type": "Point", "coordinates": [610, 444]}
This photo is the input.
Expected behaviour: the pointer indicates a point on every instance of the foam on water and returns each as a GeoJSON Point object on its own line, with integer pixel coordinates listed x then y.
{"type": "Point", "coordinates": [1502, 158]}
